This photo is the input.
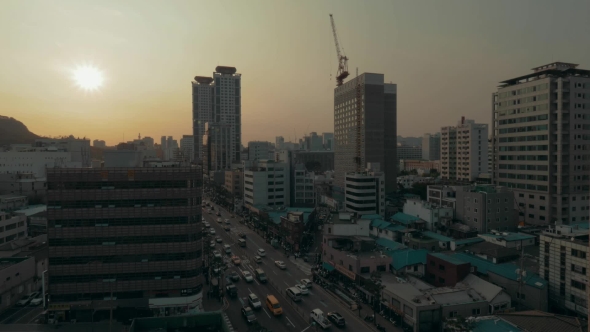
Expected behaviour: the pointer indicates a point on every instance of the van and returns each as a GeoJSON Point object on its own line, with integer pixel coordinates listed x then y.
{"type": "Point", "coordinates": [261, 276]}
{"type": "Point", "coordinates": [242, 242]}
{"type": "Point", "coordinates": [273, 305]}
{"type": "Point", "coordinates": [294, 294]}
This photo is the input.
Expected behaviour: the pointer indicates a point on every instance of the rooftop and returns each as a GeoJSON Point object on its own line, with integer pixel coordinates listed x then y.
{"type": "Point", "coordinates": [508, 237]}
{"type": "Point", "coordinates": [275, 216]}
{"type": "Point", "coordinates": [404, 218]}
{"type": "Point", "coordinates": [506, 270]}
{"type": "Point", "coordinates": [539, 321]}
{"type": "Point", "coordinates": [32, 209]}
{"type": "Point", "coordinates": [389, 244]}
{"type": "Point", "coordinates": [447, 258]}
{"type": "Point", "coordinates": [493, 324]}
{"type": "Point", "coordinates": [469, 241]}
{"type": "Point", "coordinates": [437, 236]}
{"type": "Point", "coordinates": [407, 257]}
{"type": "Point", "coordinates": [9, 261]}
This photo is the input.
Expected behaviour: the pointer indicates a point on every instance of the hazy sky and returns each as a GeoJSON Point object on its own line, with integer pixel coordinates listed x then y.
{"type": "Point", "coordinates": [445, 56]}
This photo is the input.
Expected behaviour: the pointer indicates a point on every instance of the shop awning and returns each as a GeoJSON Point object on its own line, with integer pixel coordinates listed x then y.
{"type": "Point", "coordinates": [328, 267]}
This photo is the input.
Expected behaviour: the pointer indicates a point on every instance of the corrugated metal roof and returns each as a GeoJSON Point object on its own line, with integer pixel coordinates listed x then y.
{"type": "Point", "coordinates": [404, 218]}
{"type": "Point", "coordinates": [389, 244]}
{"type": "Point", "coordinates": [469, 241]}
{"type": "Point", "coordinates": [507, 270]}
{"type": "Point", "coordinates": [402, 258]}
{"type": "Point", "coordinates": [448, 258]}
{"type": "Point", "coordinates": [437, 236]}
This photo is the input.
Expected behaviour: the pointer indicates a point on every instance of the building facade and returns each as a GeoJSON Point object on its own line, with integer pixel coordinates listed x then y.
{"type": "Point", "coordinates": [486, 207]}
{"type": "Point", "coordinates": [234, 183]}
{"type": "Point", "coordinates": [217, 147]}
{"type": "Point", "coordinates": [303, 194]}
{"type": "Point", "coordinates": [431, 146]}
{"type": "Point", "coordinates": [267, 183]}
{"type": "Point", "coordinates": [328, 141]}
{"type": "Point", "coordinates": [79, 148]}
{"type": "Point", "coordinates": [124, 237]}
{"type": "Point", "coordinates": [540, 129]}
{"type": "Point", "coordinates": [378, 128]}
{"type": "Point", "coordinates": [258, 150]}
{"type": "Point", "coordinates": [365, 192]}
{"type": "Point", "coordinates": [426, 166]}
{"type": "Point", "coordinates": [464, 150]}
{"type": "Point", "coordinates": [408, 152]}
{"type": "Point", "coordinates": [187, 147]}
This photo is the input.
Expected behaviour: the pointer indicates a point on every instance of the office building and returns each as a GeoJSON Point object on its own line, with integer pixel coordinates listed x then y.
{"type": "Point", "coordinates": [279, 142]}
{"type": "Point", "coordinates": [378, 127]}
{"type": "Point", "coordinates": [431, 146]}
{"type": "Point", "coordinates": [258, 150]}
{"type": "Point", "coordinates": [540, 137]}
{"type": "Point", "coordinates": [365, 192]}
{"type": "Point", "coordinates": [316, 161]}
{"type": "Point", "coordinates": [35, 160]}
{"type": "Point", "coordinates": [99, 144]}
{"type": "Point", "coordinates": [234, 183]}
{"type": "Point", "coordinates": [267, 183]}
{"type": "Point", "coordinates": [407, 152]}
{"type": "Point", "coordinates": [217, 147]}
{"type": "Point", "coordinates": [187, 147]}
{"type": "Point", "coordinates": [218, 99]}
{"type": "Point", "coordinates": [564, 264]}
{"type": "Point", "coordinates": [125, 237]}
{"type": "Point", "coordinates": [464, 150]}
{"type": "Point", "coordinates": [163, 144]}
{"type": "Point", "coordinates": [78, 147]}
{"type": "Point", "coordinates": [303, 193]}
{"type": "Point", "coordinates": [486, 208]}
{"type": "Point", "coordinates": [316, 142]}
{"type": "Point", "coordinates": [13, 225]}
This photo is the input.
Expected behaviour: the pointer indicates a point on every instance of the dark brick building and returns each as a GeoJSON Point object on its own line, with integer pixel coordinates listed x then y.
{"type": "Point", "coordinates": [443, 270]}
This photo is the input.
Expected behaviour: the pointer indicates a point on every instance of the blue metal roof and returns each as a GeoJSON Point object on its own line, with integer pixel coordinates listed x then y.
{"type": "Point", "coordinates": [469, 241]}
{"type": "Point", "coordinates": [494, 325]}
{"type": "Point", "coordinates": [507, 270]}
{"type": "Point", "coordinates": [406, 257]}
{"type": "Point", "coordinates": [448, 258]}
{"type": "Point", "coordinates": [403, 218]}
{"type": "Point", "coordinates": [511, 236]}
{"type": "Point", "coordinates": [389, 244]}
{"type": "Point", "coordinates": [437, 236]}
{"type": "Point", "coordinates": [370, 216]}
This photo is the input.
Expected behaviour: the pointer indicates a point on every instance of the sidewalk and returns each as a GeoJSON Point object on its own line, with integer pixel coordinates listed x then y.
{"type": "Point", "coordinates": [302, 265]}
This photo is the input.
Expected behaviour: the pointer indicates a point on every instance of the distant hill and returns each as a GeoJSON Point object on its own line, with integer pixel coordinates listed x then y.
{"type": "Point", "coordinates": [13, 131]}
{"type": "Point", "coordinates": [412, 141]}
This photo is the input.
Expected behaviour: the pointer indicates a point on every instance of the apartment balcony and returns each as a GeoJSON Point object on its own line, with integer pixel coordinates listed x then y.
{"type": "Point", "coordinates": [125, 286]}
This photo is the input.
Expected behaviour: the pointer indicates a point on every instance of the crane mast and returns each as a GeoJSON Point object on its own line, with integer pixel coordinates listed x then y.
{"type": "Point", "coordinates": [342, 59]}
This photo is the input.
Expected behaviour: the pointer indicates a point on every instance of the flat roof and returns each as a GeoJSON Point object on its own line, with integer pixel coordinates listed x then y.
{"type": "Point", "coordinates": [510, 236]}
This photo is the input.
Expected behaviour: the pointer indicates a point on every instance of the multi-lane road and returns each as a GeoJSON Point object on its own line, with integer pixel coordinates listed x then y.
{"type": "Point", "coordinates": [295, 314]}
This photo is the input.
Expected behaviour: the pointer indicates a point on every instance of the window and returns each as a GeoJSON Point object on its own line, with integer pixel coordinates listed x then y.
{"type": "Point", "coordinates": [441, 267]}
{"type": "Point", "coordinates": [453, 314]}
{"type": "Point", "coordinates": [442, 280]}
{"type": "Point", "coordinates": [578, 285]}
{"type": "Point", "coordinates": [475, 311]}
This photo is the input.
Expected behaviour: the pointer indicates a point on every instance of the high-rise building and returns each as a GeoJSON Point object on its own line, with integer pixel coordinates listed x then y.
{"type": "Point", "coordinates": [137, 247]}
{"type": "Point", "coordinates": [316, 142]}
{"type": "Point", "coordinates": [163, 144]}
{"type": "Point", "coordinates": [218, 100]}
{"type": "Point", "coordinates": [279, 142]}
{"type": "Point", "coordinates": [431, 146]}
{"type": "Point", "coordinates": [217, 147]}
{"type": "Point", "coordinates": [99, 143]}
{"type": "Point", "coordinates": [187, 146]}
{"type": "Point", "coordinates": [364, 191]}
{"type": "Point", "coordinates": [258, 150]}
{"type": "Point", "coordinates": [328, 141]}
{"type": "Point", "coordinates": [464, 150]}
{"type": "Point", "coordinates": [540, 142]}
{"type": "Point", "coordinates": [378, 127]}
{"type": "Point", "coordinates": [148, 142]}
{"type": "Point", "coordinates": [408, 152]}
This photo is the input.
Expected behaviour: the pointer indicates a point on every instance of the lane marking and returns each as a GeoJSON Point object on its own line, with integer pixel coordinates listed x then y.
{"type": "Point", "coordinates": [290, 321]}
{"type": "Point", "coordinates": [266, 312]}
{"type": "Point", "coordinates": [322, 302]}
{"type": "Point", "coordinates": [286, 283]}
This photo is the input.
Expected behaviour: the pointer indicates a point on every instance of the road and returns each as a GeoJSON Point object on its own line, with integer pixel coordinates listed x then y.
{"type": "Point", "coordinates": [296, 314]}
{"type": "Point", "coordinates": [20, 315]}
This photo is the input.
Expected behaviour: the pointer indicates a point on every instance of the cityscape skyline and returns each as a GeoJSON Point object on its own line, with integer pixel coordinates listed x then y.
{"type": "Point", "coordinates": [134, 97]}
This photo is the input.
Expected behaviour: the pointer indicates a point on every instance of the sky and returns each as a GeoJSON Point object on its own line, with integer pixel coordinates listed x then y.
{"type": "Point", "coordinates": [446, 58]}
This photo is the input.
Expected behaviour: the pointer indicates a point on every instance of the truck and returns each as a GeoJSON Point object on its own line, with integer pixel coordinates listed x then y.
{"type": "Point", "coordinates": [320, 319]}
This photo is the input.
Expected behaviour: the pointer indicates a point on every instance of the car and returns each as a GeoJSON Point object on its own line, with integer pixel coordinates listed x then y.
{"type": "Point", "coordinates": [233, 275]}
{"type": "Point", "coordinates": [36, 301]}
{"type": "Point", "coordinates": [336, 318]}
{"type": "Point", "coordinates": [227, 221]}
{"type": "Point", "coordinates": [248, 314]}
{"type": "Point", "coordinates": [247, 276]}
{"type": "Point", "coordinates": [210, 212]}
{"type": "Point", "coordinates": [302, 289]}
{"type": "Point", "coordinates": [254, 301]}
{"type": "Point", "coordinates": [25, 300]}
{"type": "Point", "coordinates": [241, 235]}
{"type": "Point", "coordinates": [218, 239]}
{"type": "Point", "coordinates": [206, 224]}
{"type": "Point", "coordinates": [219, 220]}
{"type": "Point", "coordinates": [236, 260]}
{"type": "Point", "coordinates": [216, 254]}
{"type": "Point", "coordinates": [261, 252]}
{"type": "Point", "coordinates": [226, 228]}
{"type": "Point", "coordinates": [281, 265]}
{"type": "Point", "coordinates": [306, 282]}
{"type": "Point", "coordinates": [212, 244]}
{"type": "Point", "coordinates": [231, 290]}
{"type": "Point", "coordinates": [212, 231]}
{"type": "Point", "coordinates": [258, 259]}
{"type": "Point", "coordinates": [218, 214]}
{"type": "Point", "coordinates": [227, 249]}
{"type": "Point", "coordinates": [203, 219]}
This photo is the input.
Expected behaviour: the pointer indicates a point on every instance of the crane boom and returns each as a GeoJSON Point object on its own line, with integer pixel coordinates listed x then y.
{"type": "Point", "coordinates": [342, 59]}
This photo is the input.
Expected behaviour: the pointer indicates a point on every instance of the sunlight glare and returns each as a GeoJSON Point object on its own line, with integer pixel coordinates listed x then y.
{"type": "Point", "coordinates": [88, 78]}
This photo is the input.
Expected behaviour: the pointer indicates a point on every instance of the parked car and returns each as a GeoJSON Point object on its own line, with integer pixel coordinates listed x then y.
{"type": "Point", "coordinates": [306, 282]}
{"type": "Point", "coordinates": [212, 231]}
{"type": "Point", "coordinates": [36, 301]}
{"type": "Point", "coordinates": [27, 299]}
{"type": "Point", "coordinates": [216, 254]}
{"type": "Point", "coordinates": [219, 220]}
{"type": "Point", "coordinates": [212, 244]}
{"type": "Point", "coordinates": [281, 265]}
{"type": "Point", "coordinates": [302, 289]}
{"type": "Point", "coordinates": [261, 252]}
{"type": "Point", "coordinates": [337, 319]}
{"type": "Point", "coordinates": [231, 290]}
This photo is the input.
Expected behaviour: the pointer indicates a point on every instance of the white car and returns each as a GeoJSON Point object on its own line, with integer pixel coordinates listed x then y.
{"type": "Point", "coordinates": [302, 289]}
{"type": "Point", "coordinates": [227, 221]}
{"type": "Point", "coordinates": [206, 224]}
{"type": "Point", "coordinates": [254, 301]}
{"type": "Point", "coordinates": [219, 220]}
{"type": "Point", "coordinates": [36, 302]}
{"type": "Point", "coordinates": [212, 244]}
{"type": "Point", "coordinates": [261, 252]}
{"type": "Point", "coordinates": [212, 231]}
{"type": "Point", "coordinates": [306, 282]}
{"type": "Point", "coordinates": [247, 276]}
{"type": "Point", "coordinates": [281, 265]}
{"type": "Point", "coordinates": [216, 254]}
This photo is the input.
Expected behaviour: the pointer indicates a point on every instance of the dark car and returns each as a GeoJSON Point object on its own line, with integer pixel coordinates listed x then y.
{"type": "Point", "coordinates": [231, 290]}
{"type": "Point", "coordinates": [337, 319]}
{"type": "Point", "coordinates": [234, 276]}
{"type": "Point", "coordinates": [242, 235]}
{"type": "Point", "coordinates": [248, 314]}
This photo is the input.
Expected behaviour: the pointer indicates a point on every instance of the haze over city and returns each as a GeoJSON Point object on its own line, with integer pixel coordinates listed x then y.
{"type": "Point", "coordinates": [446, 58]}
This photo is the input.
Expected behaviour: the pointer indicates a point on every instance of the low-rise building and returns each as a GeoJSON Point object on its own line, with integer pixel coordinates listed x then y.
{"type": "Point", "coordinates": [365, 191]}
{"type": "Point", "coordinates": [407, 181]}
{"type": "Point", "coordinates": [508, 240]}
{"type": "Point", "coordinates": [18, 280]}
{"type": "Point", "coordinates": [486, 207]}
{"type": "Point", "coordinates": [434, 216]}
{"type": "Point", "coordinates": [564, 263]}
{"type": "Point", "coordinates": [234, 183]}
{"type": "Point", "coordinates": [444, 270]}
{"type": "Point", "coordinates": [292, 227]}
{"type": "Point", "coordinates": [24, 184]}
{"type": "Point", "coordinates": [442, 195]}
{"type": "Point", "coordinates": [412, 164]}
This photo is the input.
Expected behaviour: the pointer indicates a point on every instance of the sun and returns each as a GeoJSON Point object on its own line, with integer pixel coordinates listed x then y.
{"type": "Point", "coordinates": [88, 78]}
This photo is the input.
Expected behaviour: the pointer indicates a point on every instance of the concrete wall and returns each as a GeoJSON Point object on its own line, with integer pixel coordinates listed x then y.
{"type": "Point", "coordinates": [17, 281]}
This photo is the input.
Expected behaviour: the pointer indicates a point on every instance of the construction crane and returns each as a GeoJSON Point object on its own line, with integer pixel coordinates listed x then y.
{"type": "Point", "coordinates": [342, 59]}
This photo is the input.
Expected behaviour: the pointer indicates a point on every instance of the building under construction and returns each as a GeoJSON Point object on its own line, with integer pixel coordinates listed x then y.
{"type": "Point", "coordinates": [124, 240]}
{"type": "Point", "coordinates": [365, 128]}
